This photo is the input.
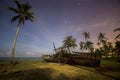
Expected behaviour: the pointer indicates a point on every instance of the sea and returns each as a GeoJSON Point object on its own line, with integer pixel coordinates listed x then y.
{"type": "Point", "coordinates": [20, 58]}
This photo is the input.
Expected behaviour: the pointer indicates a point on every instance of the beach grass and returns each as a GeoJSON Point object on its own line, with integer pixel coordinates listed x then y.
{"type": "Point", "coordinates": [38, 70]}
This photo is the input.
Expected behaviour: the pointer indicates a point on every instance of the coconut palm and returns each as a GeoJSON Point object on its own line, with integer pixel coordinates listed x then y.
{"type": "Point", "coordinates": [23, 12]}
{"type": "Point", "coordinates": [89, 46]}
{"type": "Point", "coordinates": [101, 39]}
{"type": "Point", "coordinates": [117, 49]}
{"type": "Point", "coordinates": [101, 36]}
{"type": "Point", "coordinates": [86, 35]}
{"type": "Point", "coordinates": [110, 46]}
{"type": "Point", "coordinates": [69, 42]}
{"type": "Point", "coordinates": [107, 48]}
{"type": "Point", "coordinates": [81, 45]}
{"type": "Point", "coordinates": [118, 29]}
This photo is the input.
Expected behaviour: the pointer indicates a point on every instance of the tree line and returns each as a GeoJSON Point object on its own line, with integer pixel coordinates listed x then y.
{"type": "Point", "coordinates": [104, 46]}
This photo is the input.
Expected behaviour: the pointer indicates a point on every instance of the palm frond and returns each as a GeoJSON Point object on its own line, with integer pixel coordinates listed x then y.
{"type": "Point", "coordinates": [27, 6]}
{"type": "Point", "coordinates": [118, 36]}
{"type": "Point", "coordinates": [29, 12]}
{"type": "Point", "coordinates": [18, 4]}
{"type": "Point", "coordinates": [13, 9]}
{"type": "Point", "coordinates": [31, 18]}
{"type": "Point", "coordinates": [118, 29]}
{"type": "Point", "coordinates": [14, 18]}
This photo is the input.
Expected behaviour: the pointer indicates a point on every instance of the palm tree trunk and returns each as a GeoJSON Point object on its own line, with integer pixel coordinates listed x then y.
{"type": "Point", "coordinates": [14, 43]}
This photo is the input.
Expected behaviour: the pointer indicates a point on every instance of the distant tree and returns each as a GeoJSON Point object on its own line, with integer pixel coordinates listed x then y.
{"type": "Point", "coordinates": [98, 51]}
{"type": "Point", "coordinates": [81, 45]}
{"type": "Point", "coordinates": [110, 46]}
{"type": "Point", "coordinates": [101, 39]}
{"type": "Point", "coordinates": [101, 43]}
{"type": "Point", "coordinates": [89, 46]}
{"type": "Point", "coordinates": [106, 48]}
{"type": "Point", "coordinates": [86, 35]}
{"type": "Point", "coordinates": [117, 48]}
{"type": "Point", "coordinates": [118, 36]}
{"type": "Point", "coordinates": [69, 42]}
{"type": "Point", "coordinates": [23, 12]}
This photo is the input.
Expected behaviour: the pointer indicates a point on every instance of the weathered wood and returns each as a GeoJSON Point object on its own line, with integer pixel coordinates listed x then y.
{"type": "Point", "coordinates": [87, 55]}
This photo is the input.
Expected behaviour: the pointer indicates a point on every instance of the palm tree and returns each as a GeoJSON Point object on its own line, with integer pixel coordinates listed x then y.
{"type": "Point", "coordinates": [101, 38]}
{"type": "Point", "coordinates": [81, 45]}
{"type": "Point", "coordinates": [117, 49]}
{"type": "Point", "coordinates": [110, 46]}
{"type": "Point", "coordinates": [69, 42]}
{"type": "Point", "coordinates": [107, 48]}
{"type": "Point", "coordinates": [86, 35]}
{"type": "Point", "coordinates": [23, 12]}
{"type": "Point", "coordinates": [118, 29]}
{"type": "Point", "coordinates": [89, 45]}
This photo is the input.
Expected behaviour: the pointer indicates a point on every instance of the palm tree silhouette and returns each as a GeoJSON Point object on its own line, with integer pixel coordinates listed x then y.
{"type": "Point", "coordinates": [118, 36]}
{"type": "Point", "coordinates": [107, 48]}
{"type": "Point", "coordinates": [117, 49]}
{"type": "Point", "coordinates": [89, 45]}
{"type": "Point", "coordinates": [23, 12]}
{"type": "Point", "coordinates": [69, 42]}
{"type": "Point", "coordinates": [81, 45]}
{"type": "Point", "coordinates": [86, 35]}
{"type": "Point", "coordinates": [101, 39]}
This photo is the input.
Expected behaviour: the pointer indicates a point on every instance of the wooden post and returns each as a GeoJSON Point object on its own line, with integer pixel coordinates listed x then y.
{"type": "Point", "coordinates": [54, 47]}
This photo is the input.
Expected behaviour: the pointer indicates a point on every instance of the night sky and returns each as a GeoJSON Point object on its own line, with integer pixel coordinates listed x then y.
{"type": "Point", "coordinates": [56, 19]}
